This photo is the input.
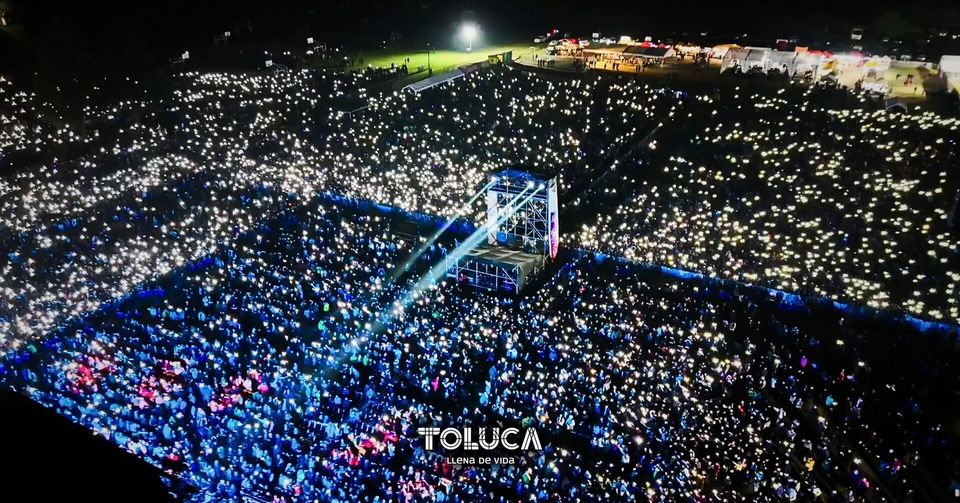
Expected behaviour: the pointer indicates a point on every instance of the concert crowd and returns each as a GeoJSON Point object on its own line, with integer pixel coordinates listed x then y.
{"type": "Point", "coordinates": [176, 279]}
{"type": "Point", "coordinates": [290, 366]}
{"type": "Point", "coordinates": [138, 189]}
{"type": "Point", "coordinates": [781, 190]}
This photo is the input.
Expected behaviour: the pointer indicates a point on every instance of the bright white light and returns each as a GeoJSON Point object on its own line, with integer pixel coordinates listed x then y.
{"type": "Point", "coordinates": [469, 32]}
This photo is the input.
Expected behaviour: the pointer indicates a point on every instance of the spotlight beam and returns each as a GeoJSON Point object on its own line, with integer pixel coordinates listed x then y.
{"type": "Point", "coordinates": [435, 273]}
{"type": "Point", "coordinates": [439, 269]}
{"type": "Point", "coordinates": [399, 271]}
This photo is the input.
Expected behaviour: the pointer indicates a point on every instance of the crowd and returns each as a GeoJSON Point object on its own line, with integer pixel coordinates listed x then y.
{"type": "Point", "coordinates": [777, 189]}
{"type": "Point", "coordinates": [173, 281]}
{"type": "Point", "coordinates": [432, 151]}
{"type": "Point", "coordinates": [289, 367]}
{"type": "Point", "coordinates": [141, 188]}
{"type": "Point", "coordinates": [90, 215]}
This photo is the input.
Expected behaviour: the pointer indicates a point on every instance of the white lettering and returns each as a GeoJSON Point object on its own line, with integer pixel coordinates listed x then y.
{"type": "Point", "coordinates": [494, 440]}
{"type": "Point", "coordinates": [448, 445]}
{"type": "Point", "coordinates": [429, 433]}
{"type": "Point", "coordinates": [503, 438]}
{"type": "Point", "coordinates": [468, 442]}
{"type": "Point", "coordinates": [530, 437]}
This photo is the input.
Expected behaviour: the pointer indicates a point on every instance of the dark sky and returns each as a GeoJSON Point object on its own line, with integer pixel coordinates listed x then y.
{"type": "Point", "coordinates": [51, 39]}
{"type": "Point", "coordinates": [185, 18]}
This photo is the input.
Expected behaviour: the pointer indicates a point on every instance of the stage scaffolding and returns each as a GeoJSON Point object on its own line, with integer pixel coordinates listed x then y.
{"type": "Point", "coordinates": [485, 275]}
{"type": "Point", "coordinates": [534, 226]}
{"type": "Point", "coordinates": [523, 230]}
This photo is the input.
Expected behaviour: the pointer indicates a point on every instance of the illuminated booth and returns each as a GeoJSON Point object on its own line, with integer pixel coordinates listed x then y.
{"type": "Point", "coordinates": [523, 231]}
{"type": "Point", "coordinates": [500, 58]}
{"type": "Point", "coordinates": [745, 59]}
{"type": "Point", "coordinates": [950, 69]}
{"type": "Point", "coordinates": [792, 63]}
{"type": "Point", "coordinates": [653, 53]}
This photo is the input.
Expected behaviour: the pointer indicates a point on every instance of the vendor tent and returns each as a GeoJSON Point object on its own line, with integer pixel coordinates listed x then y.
{"type": "Point", "coordinates": [719, 51]}
{"type": "Point", "coordinates": [789, 62]}
{"type": "Point", "coordinates": [807, 64]}
{"type": "Point", "coordinates": [783, 61]}
{"type": "Point", "coordinates": [435, 80]}
{"type": "Point", "coordinates": [950, 64]}
{"type": "Point", "coordinates": [605, 50]}
{"type": "Point", "coordinates": [649, 52]}
{"type": "Point", "coordinates": [950, 68]}
{"type": "Point", "coordinates": [756, 58]}
{"type": "Point", "coordinates": [744, 59]}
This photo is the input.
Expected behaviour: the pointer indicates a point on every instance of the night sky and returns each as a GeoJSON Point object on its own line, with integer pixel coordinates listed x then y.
{"type": "Point", "coordinates": [50, 42]}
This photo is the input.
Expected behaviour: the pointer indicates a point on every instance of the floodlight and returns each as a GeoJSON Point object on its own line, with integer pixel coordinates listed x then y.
{"type": "Point", "coordinates": [469, 31]}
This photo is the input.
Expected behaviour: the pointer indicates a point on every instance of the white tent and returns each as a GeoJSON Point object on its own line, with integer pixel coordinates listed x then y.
{"type": "Point", "coordinates": [950, 64]}
{"type": "Point", "coordinates": [733, 58]}
{"type": "Point", "coordinates": [435, 80]}
{"type": "Point", "coordinates": [756, 58]}
{"type": "Point", "coordinates": [719, 51]}
{"type": "Point", "coordinates": [784, 61]}
{"type": "Point", "coordinates": [745, 59]}
{"type": "Point", "coordinates": [789, 62]}
{"type": "Point", "coordinates": [950, 67]}
{"type": "Point", "coordinates": [807, 64]}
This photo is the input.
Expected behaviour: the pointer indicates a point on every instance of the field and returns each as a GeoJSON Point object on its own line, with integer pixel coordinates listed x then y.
{"type": "Point", "coordinates": [440, 60]}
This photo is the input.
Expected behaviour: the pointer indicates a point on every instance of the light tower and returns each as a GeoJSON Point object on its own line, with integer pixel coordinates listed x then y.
{"type": "Point", "coordinates": [534, 227]}
{"type": "Point", "coordinates": [523, 230]}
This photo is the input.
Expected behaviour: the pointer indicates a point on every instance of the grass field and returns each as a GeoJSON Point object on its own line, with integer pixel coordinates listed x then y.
{"type": "Point", "coordinates": [440, 60]}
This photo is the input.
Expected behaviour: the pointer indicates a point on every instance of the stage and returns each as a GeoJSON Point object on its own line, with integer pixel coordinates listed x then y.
{"type": "Point", "coordinates": [496, 268]}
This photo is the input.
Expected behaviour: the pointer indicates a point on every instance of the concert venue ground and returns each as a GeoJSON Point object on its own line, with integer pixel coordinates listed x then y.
{"type": "Point", "coordinates": [755, 299]}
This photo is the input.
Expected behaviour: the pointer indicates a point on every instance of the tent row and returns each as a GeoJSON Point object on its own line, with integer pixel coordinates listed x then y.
{"type": "Point", "coordinates": [812, 63]}
{"type": "Point", "coordinates": [761, 58]}
{"type": "Point", "coordinates": [623, 51]}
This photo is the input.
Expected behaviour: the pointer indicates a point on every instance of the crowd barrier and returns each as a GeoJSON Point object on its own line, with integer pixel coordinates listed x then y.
{"type": "Point", "coordinates": [793, 300]}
